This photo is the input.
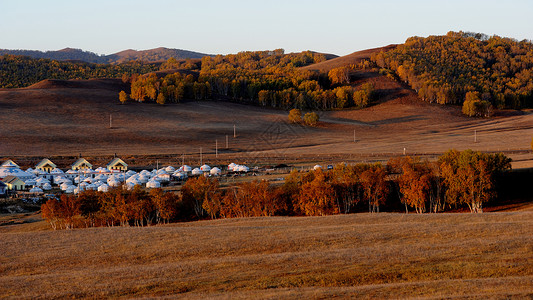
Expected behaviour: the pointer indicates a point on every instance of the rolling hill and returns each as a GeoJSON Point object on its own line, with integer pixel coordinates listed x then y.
{"type": "Point", "coordinates": [71, 54]}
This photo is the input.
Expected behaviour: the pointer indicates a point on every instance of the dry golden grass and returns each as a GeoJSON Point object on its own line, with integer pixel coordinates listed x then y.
{"type": "Point", "coordinates": [361, 255]}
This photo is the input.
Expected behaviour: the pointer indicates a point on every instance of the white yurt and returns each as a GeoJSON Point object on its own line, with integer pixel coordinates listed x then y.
{"type": "Point", "coordinates": [205, 168]}
{"type": "Point", "coordinates": [316, 167]}
{"type": "Point", "coordinates": [29, 170]}
{"type": "Point", "coordinates": [170, 169]}
{"type": "Point", "coordinates": [215, 171]}
{"type": "Point", "coordinates": [231, 166]}
{"type": "Point", "coordinates": [196, 171]}
{"type": "Point", "coordinates": [36, 190]}
{"type": "Point", "coordinates": [145, 173]}
{"type": "Point", "coordinates": [187, 168]}
{"type": "Point", "coordinates": [113, 182]}
{"type": "Point", "coordinates": [46, 186]}
{"type": "Point", "coordinates": [241, 168]}
{"type": "Point", "coordinates": [152, 184]}
{"type": "Point", "coordinates": [57, 171]}
{"type": "Point", "coordinates": [30, 182]}
{"type": "Point", "coordinates": [70, 189]}
{"type": "Point", "coordinates": [180, 175]}
{"type": "Point", "coordinates": [130, 185]}
{"type": "Point", "coordinates": [9, 171]}
{"type": "Point", "coordinates": [103, 188]}
{"type": "Point", "coordinates": [100, 177]}
{"type": "Point", "coordinates": [101, 170]}
{"type": "Point", "coordinates": [79, 179]}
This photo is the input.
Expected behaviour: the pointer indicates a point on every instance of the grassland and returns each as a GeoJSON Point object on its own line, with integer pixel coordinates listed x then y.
{"type": "Point", "coordinates": [360, 255]}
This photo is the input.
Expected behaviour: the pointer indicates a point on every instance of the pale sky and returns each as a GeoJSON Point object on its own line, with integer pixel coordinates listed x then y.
{"type": "Point", "coordinates": [221, 27]}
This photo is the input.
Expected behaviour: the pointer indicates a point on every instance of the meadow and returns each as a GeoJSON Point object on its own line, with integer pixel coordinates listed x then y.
{"type": "Point", "coordinates": [475, 256]}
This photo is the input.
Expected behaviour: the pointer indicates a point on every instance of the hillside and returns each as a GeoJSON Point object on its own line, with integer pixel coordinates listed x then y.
{"type": "Point", "coordinates": [69, 117]}
{"type": "Point", "coordinates": [347, 60]}
{"type": "Point", "coordinates": [366, 256]}
{"type": "Point", "coordinates": [70, 54]}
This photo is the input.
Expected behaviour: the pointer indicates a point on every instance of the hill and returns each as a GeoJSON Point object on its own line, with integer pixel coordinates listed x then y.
{"type": "Point", "coordinates": [64, 118]}
{"type": "Point", "coordinates": [350, 59]}
{"type": "Point", "coordinates": [359, 255]}
{"type": "Point", "coordinates": [71, 54]}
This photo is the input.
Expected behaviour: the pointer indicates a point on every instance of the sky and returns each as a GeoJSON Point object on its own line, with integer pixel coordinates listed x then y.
{"type": "Point", "coordinates": [221, 27]}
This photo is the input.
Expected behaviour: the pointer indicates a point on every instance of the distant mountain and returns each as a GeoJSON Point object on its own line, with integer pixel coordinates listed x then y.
{"type": "Point", "coordinates": [152, 55]}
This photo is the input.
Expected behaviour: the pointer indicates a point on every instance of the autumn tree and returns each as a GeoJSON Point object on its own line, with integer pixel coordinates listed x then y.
{"type": "Point", "coordinates": [123, 97]}
{"type": "Point", "coordinates": [469, 176]}
{"type": "Point", "coordinates": [165, 204]}
{"type": "Point", "coordinates": [317, 197]}
{"type": "Point", "coordinates": [415, 184]}
{"type": "Point", "coordinates": [311, 119]}
{"type": "Point", "coordinates": [375, 186]}
{"type": "Point", "coordinates": [339, 75]}
{"type": "Point", "coordinates": [295, 116]}
{"type": "Point", "coordinates": [197, 190]}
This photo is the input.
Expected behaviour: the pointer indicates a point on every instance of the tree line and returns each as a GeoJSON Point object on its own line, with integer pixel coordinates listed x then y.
{"type": "Point", "coordinates": [264, 78]}
{"type": "Point", "coordinates": [444, 69]}
{"type": "Point", "coordinates": [22, 71]}
{"type": "Point", "coordinates": [456, 179]}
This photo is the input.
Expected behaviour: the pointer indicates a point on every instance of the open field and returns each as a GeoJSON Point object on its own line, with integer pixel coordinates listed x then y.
{"type": "Point", "coordinates": [360, 255]}
{"type": "Point", "coordinates": [55, 118]}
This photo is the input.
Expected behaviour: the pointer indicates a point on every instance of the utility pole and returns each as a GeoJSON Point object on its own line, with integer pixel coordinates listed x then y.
{"type": "Point", "coordinates": [354, 135]}
{"type": "Point", "coordinates": [201, 159]}
{"type": "Point", "coordinates": [183, 159]}
{"type": "Point", "coordinates": [475, 136]}
{"type": "Point", "coordinates": [216, 148]}
{"type": "Point", "coordinates": [234, 131]}
{"type": "Point", "coordinates": [227, 143]}
{"type": "Point", "coordinates": [110, 122]}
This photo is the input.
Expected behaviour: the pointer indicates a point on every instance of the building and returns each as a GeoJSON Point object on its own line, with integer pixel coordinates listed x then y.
{"type": "Point", "coordinates": [9, 164]}
{"type": "Point", "coordinates": [3, 188]}
{"type": "Point", "coordinates": [14, 183]}
{"type": "Point", "coordinates": [46, 165]}
{"type": "Point", "coordinates": [81, 164]}
{"type": "Point", "coordinates": [117, 164]}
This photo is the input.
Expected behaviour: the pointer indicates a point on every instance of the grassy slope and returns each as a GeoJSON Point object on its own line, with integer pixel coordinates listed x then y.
{"type": "Point", "coordinates": [360, 255]}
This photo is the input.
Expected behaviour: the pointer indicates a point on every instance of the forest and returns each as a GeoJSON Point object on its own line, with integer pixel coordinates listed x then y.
{"type": "Point", "coordinates": [264, 78]}
{"type": "Point", "coordinates": [444, 69]}
{"type": "Point", "coordinates": [457, 179]}
{"type": "Point", "coordinates": [22, 71]}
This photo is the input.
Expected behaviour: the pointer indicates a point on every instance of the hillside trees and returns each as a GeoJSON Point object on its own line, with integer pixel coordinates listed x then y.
{"type": "Point", "coordinates": [443, 69]}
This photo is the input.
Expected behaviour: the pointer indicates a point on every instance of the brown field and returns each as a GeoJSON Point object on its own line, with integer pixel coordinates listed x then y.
{"type": "Point", "coordinates": [360, 255]}
{"type": "Point", "coordinates": [62, 119]}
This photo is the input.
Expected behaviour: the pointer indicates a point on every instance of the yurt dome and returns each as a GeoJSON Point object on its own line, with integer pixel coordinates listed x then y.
{"type": "Point", "coordinates": [196, 171]}
{"type": "Point", "coordinates": [205, 168]}
{"type": "Point", "coordinates": [215, 171]}
{"type": "Point", "coordinates": [100, 177]}
{"type": "Point", "coordinates": [31, 182]}
{"type": "Point", "coordinates": [113, 182]}
{"type": "Point", "coordinates": [46, 187]}
{"type": "Point", "coordinates": [56, 171]}
{"type": "Point", "coordinates": [4, 172]}
{"type": "Point", "coordinates": [187, 168]}
{"type": "Point", "coordinates": [145, 173]}
{"type": "Point", "coordinates": [130, 185]}
{"type": "Point", "coordinates": [88, 179]}
{"type": "Point", "coordinates": [70, 189]}
{"type": "Point", "coordinates": [231, 166]}
{"type": "Point", "coordinates": [29, 170]}
{"type": "Point", "coordinates": [103, 188]}
{"type": "Point", "coordinates": [91, 186]}
{"type": "Point", "coordinates": [170, 169]}
{"type": "Point", "coordinates": [161, 171]}
{"type": "Point", "coordinates": [241, 168]}
{"type": "Point", "coordinates": [64, 186]}
{"type": "Point", "coordinates": [143, 179]}
{"type": "Point", "coordinates": [79, 179]}
{"type": "Point", "coordinates": [152, 184]}
{"type": "Point", "coordinates": [36, 190]}
{"type": "Point", "coordinates": [316, 167]}
{"type": "Point", "coordinates": [180, 175]}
